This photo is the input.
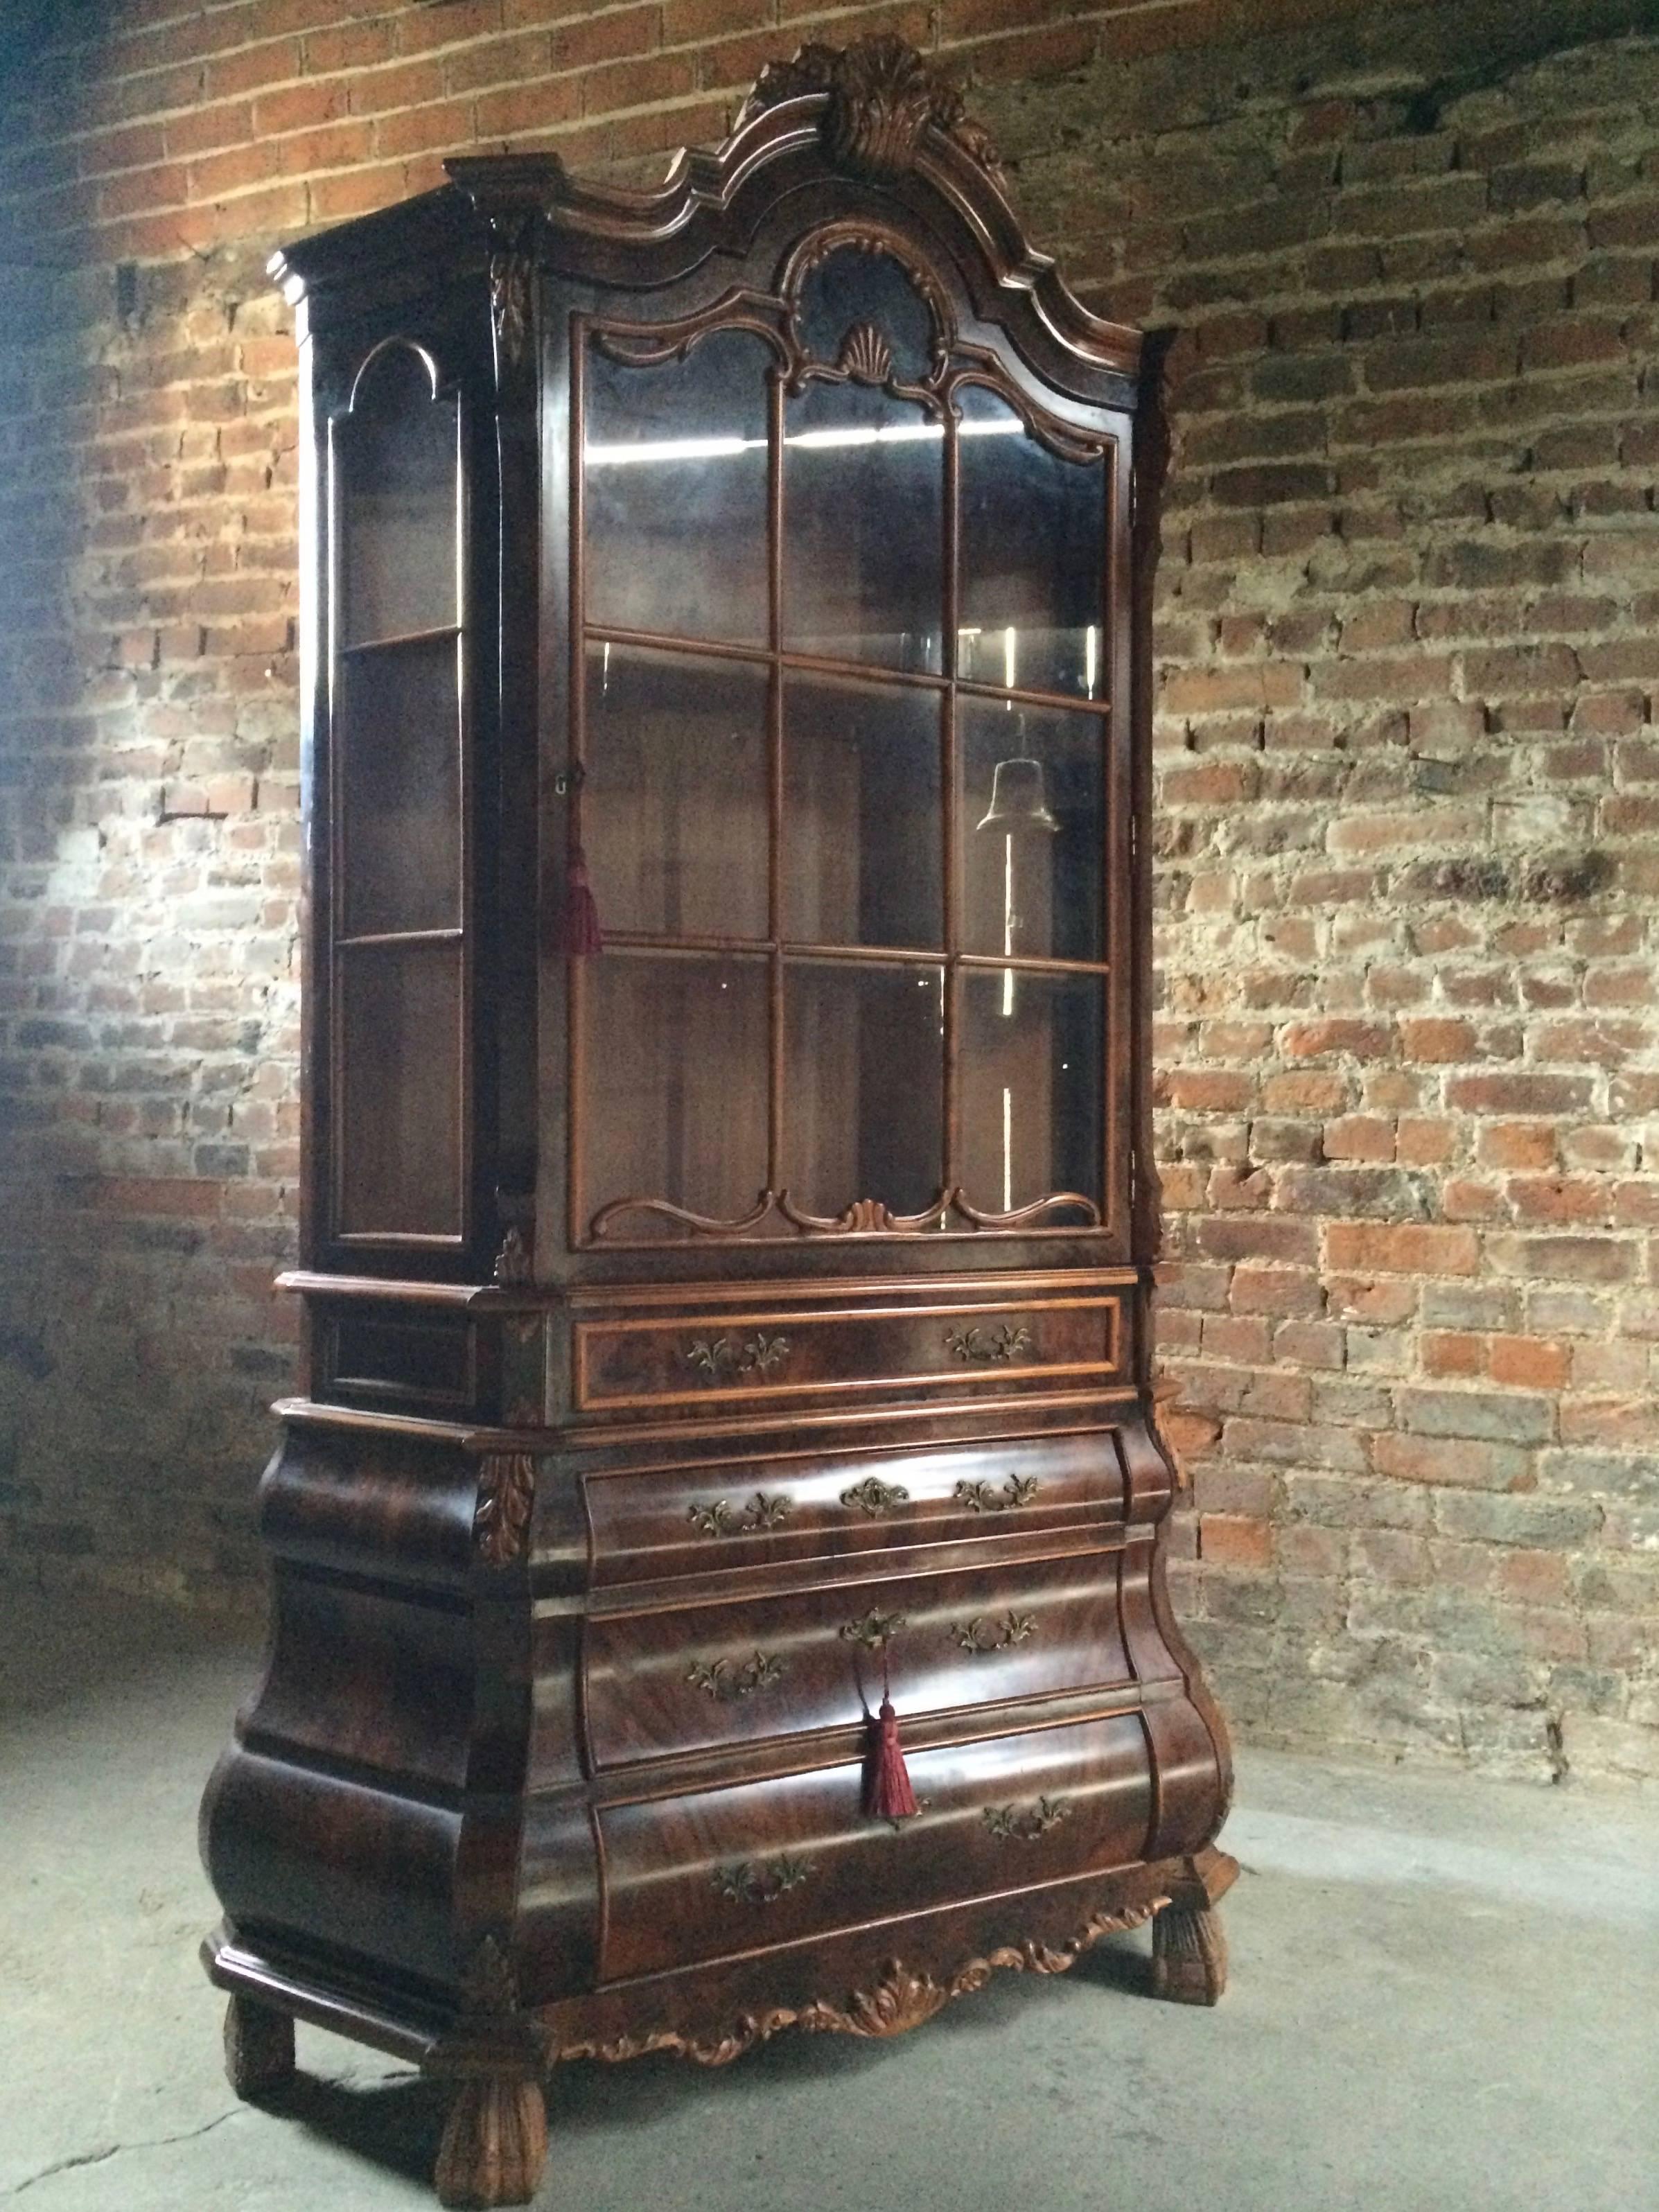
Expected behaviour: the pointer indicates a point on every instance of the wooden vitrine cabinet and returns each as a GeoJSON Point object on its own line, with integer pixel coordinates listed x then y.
{"type": "Point", "coordinates": [729, 1215]}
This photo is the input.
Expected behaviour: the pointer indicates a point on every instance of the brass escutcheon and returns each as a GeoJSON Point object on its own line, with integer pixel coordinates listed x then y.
{"type": "Point", "coordinates": [722, 1518]}
{"type": "Point", "coordinates": [718, 1355]}
{"type": "Point", "coordinates": [1009, 1342]}
{"type": "Point", "coordinates": [982, 1635]}
{"type": "Point", "coordinates": [873, 1496]}
{"type": "Point", "coordinates": [874, 1629]}
{"type": "Point", "coordinates": [1024, 1824]}
{"type": "Point", "coordinates": [982, 1497]}
{"type": "Point", "coordinates": [724, 1680]}
{"type": "Point", "coordinates": [756, 1882]}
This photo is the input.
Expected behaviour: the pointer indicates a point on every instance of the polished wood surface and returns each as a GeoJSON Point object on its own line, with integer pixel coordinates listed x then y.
{"type": "Point", "coordinates": [711, 1334]}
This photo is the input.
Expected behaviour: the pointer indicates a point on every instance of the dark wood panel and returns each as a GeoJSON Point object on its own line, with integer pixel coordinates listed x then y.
{"type": "Point", "coordinates": [366, 1680]}
{"type": "Point", "coordinates": [318, 1858]}
{"type": "Point", "coordinates": [746, 1512]}
{"type": "Point", "coordinates": [737, 1870]}
{"type": "Point", "coordinates": [687, 1679]}
{"type": "Point", "coordinates": [707, 1359]}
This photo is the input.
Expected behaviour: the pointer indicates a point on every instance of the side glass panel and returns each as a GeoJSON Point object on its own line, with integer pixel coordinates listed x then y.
{"type": "Point", "coordinates": [1032, 830]}
{"type": "Point", "coordinates": [397, 462]}
{"type": "Point", "coordinates": [1033, 555]}
{"type": "Point", "coordinates": [395, 740]}
{"type": "Point", "coordinates": [675, 474]}
{"type": "Point", "coordinates": [399, 726]}
{"type": "Point", "coordinates": [399, 1109]}
{"type": "Point", "coordinates": [861, 819]}
{"type": "Point", "coordinates": [1031, 1088]}
{"type": "Point", "coordinates": [674, 809]}
{"type": "Point", "coordinates": [674, 1085]}
{"type": "Point", "coordinates": [864, 521]}
{"type": "Point", "coordinates": [863, 1085]}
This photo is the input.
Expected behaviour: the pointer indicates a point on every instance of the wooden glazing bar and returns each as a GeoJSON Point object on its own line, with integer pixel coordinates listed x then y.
{"type": "Point", "coordinates": [775, 1035]}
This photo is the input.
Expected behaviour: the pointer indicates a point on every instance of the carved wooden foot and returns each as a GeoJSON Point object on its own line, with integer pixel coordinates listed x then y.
{"type": "Point", "coordinates": [495, 2143]}
{"type": "Point", "coordinates": [259, 2047]}
{"type": "Point", "coordinates": [1189, 1955]}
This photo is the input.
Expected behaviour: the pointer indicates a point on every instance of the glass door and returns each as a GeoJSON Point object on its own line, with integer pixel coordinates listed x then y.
{"type": "Point", "coordinates": [840, 727]}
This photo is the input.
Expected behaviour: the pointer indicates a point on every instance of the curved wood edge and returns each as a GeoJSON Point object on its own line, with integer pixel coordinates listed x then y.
{"type": "Point", "coordinates": [486, 2034]}
{"type": "Point", "coordinates": [703, 186]}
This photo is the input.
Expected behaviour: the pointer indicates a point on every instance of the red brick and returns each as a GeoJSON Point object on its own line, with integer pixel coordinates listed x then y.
{"type": "Point", "coordinates": [1407, 1248]}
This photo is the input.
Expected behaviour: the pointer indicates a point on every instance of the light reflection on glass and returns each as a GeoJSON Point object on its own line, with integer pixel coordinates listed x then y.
{"type": "Point", "coordinates": [714, 449]}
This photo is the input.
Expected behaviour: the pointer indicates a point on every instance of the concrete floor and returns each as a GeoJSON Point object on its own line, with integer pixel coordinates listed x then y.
{"type": "Point", "coordinates": [1445, 1995]}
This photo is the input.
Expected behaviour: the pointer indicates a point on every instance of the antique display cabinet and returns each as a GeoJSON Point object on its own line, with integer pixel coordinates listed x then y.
{"type": "Point", "coordinates": [718, 1549]}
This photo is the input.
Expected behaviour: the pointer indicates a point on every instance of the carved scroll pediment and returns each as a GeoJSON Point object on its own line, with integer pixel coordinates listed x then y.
{"type": "Point", "coordinates": [882, 96]}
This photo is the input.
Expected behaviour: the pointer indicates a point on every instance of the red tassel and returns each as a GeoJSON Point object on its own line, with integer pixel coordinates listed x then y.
{"type": "Point", "coordinates": [580, 934]}
{"type": "Point", "coordinates": [888, 1794]}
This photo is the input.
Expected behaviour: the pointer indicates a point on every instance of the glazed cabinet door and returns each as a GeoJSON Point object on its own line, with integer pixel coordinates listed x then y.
{"type": "Point", "coordinates": [842, 752]}
{"type": "Point", "coordinates": [405, 654]}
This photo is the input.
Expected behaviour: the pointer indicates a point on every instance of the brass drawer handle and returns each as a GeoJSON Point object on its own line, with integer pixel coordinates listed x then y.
{"type": "Point", "coordinates": [718, 1355]}
{"type": "Point", "coordinates": [722, 1518]}
{"type": "Point", "coordinates": [756, 1882]}
{"type": "Point", "coordinates": [724, 1680]}
{"type": "Point", "coordinates": [875, 1498]}
{"type": "Point", "coordinates": [982, 1635]}
{"type": "Point", "coordinates": [980, 1498]}
{"type": "Point", "coordinates": [875, 1629]}
{"type": "Point", "coordinates": [1020, 1824]}
{"type": "Point", "coordinates": [1010, 1341]}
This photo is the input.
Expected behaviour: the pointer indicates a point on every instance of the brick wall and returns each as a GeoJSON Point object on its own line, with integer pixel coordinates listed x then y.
{"type": "Point", "coordinates": [1409, 646]}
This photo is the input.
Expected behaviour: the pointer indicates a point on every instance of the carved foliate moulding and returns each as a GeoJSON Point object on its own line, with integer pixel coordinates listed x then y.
{"type": "Point", "coordinates": [882, 97]}
{"type": "Point", "coordinates": [900, 1999]}
{"type": "Point", "coordinates": [512, 1269]}
{"type": "Point", "coordinates": [507, 1498]}
{"type": "Point", "coordinates": [512, 291]}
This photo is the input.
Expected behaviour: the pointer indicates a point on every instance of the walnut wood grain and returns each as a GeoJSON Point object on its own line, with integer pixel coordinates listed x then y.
{"type": "Point", "coordinates": [560, 1749]}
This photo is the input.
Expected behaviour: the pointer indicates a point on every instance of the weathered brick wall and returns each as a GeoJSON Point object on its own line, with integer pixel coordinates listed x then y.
{"type": "Point", "coordinates": [1408, 775]}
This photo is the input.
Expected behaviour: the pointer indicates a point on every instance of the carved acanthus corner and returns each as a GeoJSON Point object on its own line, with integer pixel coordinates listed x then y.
{"type": "Point", "coordinates": [882, 96]}
{"type": "Point", "coordinates": [512, 292]}
{"type": "Point", "coordinates": [512, 1262]}
{"type": "Point", "coordinates": [489, 1987]}
{"type": "Point", "coordinates": [507, 1497]}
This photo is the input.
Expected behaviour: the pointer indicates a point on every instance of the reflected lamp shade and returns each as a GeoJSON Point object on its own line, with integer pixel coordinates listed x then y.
{"type": "Point", "coordinates": [1018, 800]}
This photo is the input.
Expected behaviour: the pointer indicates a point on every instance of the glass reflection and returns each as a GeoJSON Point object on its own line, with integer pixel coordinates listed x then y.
{"type": "Point", "coordinates": [674, 808]}
{"type": "Point", "coordinates": [400, 1109]}
{"type": "Point", "coordinates": [396, 461]}
{"type": "Point", "coordinates": [675, 459]}
{"type": "Point", "coordinates": [861, 815]}
{"type": "Point", "coordinates": [399, 735]}
{"type": "Point", "coordinates": [1031, 1112]}
{"type": "Point", "coordinates": [1033, 826]}
{"type": "Point", "coordinates": [674, 1085]}
{"type": "Point", "coordinates": [1033, 555]}
{"type": "Point", "coordinates": [864, 528]}
{"type": "Point", "coordinates": [864, 1085]}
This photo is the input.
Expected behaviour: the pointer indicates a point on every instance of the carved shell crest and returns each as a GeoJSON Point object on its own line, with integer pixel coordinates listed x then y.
{"type": "Point", "coordinates": [866, 354]}
{"type": "Point", "coordinates": [882, 96]}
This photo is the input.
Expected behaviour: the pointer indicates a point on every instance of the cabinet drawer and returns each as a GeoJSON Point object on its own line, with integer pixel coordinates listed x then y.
{"type": "Point", "coordinates": [698, 1676]}
{"type": "Point", "coordinates": [731, 1870]}
{"type": "Point", "coordinates": [651, 1523]}
{"type": "Point", "coordinates": [710, 1361]}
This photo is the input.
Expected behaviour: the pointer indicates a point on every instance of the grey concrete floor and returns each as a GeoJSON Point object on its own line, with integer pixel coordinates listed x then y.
{"type": "Point", "coordinates": [1445, 1995]}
